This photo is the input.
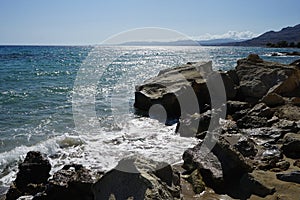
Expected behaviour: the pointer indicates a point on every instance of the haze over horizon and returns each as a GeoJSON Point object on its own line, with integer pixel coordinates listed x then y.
{"type": "Point", "coordinates": [80, 23]}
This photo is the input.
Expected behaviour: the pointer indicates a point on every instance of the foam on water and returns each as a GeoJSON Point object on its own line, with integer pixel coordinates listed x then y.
{"type": "Point", "coordinates": [102, 150]}
{"type": "Point", "coordinates": [36, 109]}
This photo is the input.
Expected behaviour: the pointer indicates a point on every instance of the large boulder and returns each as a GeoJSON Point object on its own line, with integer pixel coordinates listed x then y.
{"type": "Point", "coordinates": [221, 167]}
{"type": "Point", "coordinates": [32, 176]}
{"type": "Point", "coordinates": [182, 90]}
{"type": "Point", "coordinates": [138, 178]}
{"type": "Point", "coordinates": [258, 77]}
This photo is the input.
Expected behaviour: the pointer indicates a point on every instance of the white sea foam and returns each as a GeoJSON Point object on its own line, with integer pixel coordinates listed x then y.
{"type": "Point", "coordinates": [102, 150]}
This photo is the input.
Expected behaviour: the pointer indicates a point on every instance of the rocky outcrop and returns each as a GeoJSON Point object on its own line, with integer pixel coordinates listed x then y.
{"type": "Point", "coordinates": [138, 178]}
{"type": "Point", "coordinates": [254, 137]}
{"type": "Point", "coordinates": [220, 167]}
{"type": "Point", "coordinates": [256, 151]}
{"type": "Point", "coordinates": [257, 78]}
{"type": "Point", "coordinates": [181, 90]}
{"type": "Point", "coordinates": [32, 176]}
{"type": "Point", "coordinates": [134, 177]}
{"type": "Point", "coordinates": [71, 182]}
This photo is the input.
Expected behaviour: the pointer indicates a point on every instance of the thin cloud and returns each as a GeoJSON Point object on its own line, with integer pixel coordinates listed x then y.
{"type": "Point", "coordinates": [229, 34]}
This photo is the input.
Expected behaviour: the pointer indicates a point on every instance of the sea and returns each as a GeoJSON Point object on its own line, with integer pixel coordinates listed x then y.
{"type": "Point", "coordinates": [75, 103]}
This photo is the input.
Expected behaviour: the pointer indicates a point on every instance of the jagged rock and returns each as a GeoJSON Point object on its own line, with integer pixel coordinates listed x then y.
{"type": "Point", "coordinates": [261, 110]}
{"type": "Point", "coordinates": [234, 106]}
{"type": "Point", "coordinates": [32, 176]}
{"type": "Point", "coordinates": [257, 77]}
{"type": "Point", "coordinates": [268, 156]}
{"type": "Point", "coordinates": [249, 121]}
{"type": "Point", "coordinates": [192, 125]}
{"type": "Point", "coordinates": [240, 114]}
{"type": "Point", "coordinates": [264, 134]}
{"type": "Point", "coordinates": [286, 125]}
{"type": "Point", "coordinates": [273, 99]}
{"type": "Point", "coordinates": [138, 178]}
{"type": "Point", "coordinates": [71, 182]}
{"type": "Point", "coordinates": [219, 167]}
{"type": "Point", "coordinates": [293, 176]}
{"type": "Point", "coordinates": [291, 145]}
{"type": "Point", "coordinates": [288, 112]}
{"type": "Point", "coordinates": [246, 147]}
{"type": "Point", "coordinates": [196, 181]}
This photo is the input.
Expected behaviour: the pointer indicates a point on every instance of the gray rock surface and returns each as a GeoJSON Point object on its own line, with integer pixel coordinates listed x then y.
{"type": "Point", "coordinates": [138, 178]}
{"type": "Point", "coordinates": [257, 77]}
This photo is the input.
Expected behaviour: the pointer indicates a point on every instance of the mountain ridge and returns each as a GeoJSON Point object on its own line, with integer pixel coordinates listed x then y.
{"type": "Point", "coordinates": [288, 34]}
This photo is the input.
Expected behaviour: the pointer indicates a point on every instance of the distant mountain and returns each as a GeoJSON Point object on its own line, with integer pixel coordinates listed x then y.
{"type": "Point", "coordinates": [216, 42]}
{"type": "Point", "coordinates": [213, 42]}
{"type": "Point", "coordinates": [155, 43]}
{"type": "Point", "coordinates": [288, 34]}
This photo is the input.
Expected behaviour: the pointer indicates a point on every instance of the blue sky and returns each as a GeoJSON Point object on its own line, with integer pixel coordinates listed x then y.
{"type": "Point", "coordinates": [92, 21]}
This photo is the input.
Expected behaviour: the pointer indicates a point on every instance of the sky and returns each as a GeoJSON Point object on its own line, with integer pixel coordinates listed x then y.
{"type": "Point", "coordinates": [82, 22]}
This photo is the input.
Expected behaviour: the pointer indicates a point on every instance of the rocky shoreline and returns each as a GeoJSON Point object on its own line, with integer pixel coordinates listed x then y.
{"type": "Point", "coordinates": [256, 151]}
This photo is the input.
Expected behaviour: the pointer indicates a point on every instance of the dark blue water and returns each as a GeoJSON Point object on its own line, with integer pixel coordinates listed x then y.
{"type": "Point", "coordinates": [36, 88]}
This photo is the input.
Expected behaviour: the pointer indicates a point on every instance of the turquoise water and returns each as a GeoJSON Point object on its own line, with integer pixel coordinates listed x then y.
{"type": "Point", "coordinates": [37, 86]}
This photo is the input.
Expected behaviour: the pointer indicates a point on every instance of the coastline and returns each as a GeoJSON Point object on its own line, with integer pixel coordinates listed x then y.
{"type": "Point", "coordinates": [259, 137]}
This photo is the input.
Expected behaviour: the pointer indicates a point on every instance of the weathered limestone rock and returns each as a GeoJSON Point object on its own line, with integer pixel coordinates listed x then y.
{"type": "Point", "coordinates": [194, 124]}
{"type": "Point", "coordinates": [257, 77]}
{"type": "Point", "coordinates": [32, 176]}
{"type": "Point", "coordinates": [181, 90]}
{"type": "Point", "coordinates": [172, 83]}
{"type": "Point", "coordinates": [220, 167]}
{"type": "Point", "coordinates": [288, 112]}
{"type": "Point", "coordinates": [138, 178]}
